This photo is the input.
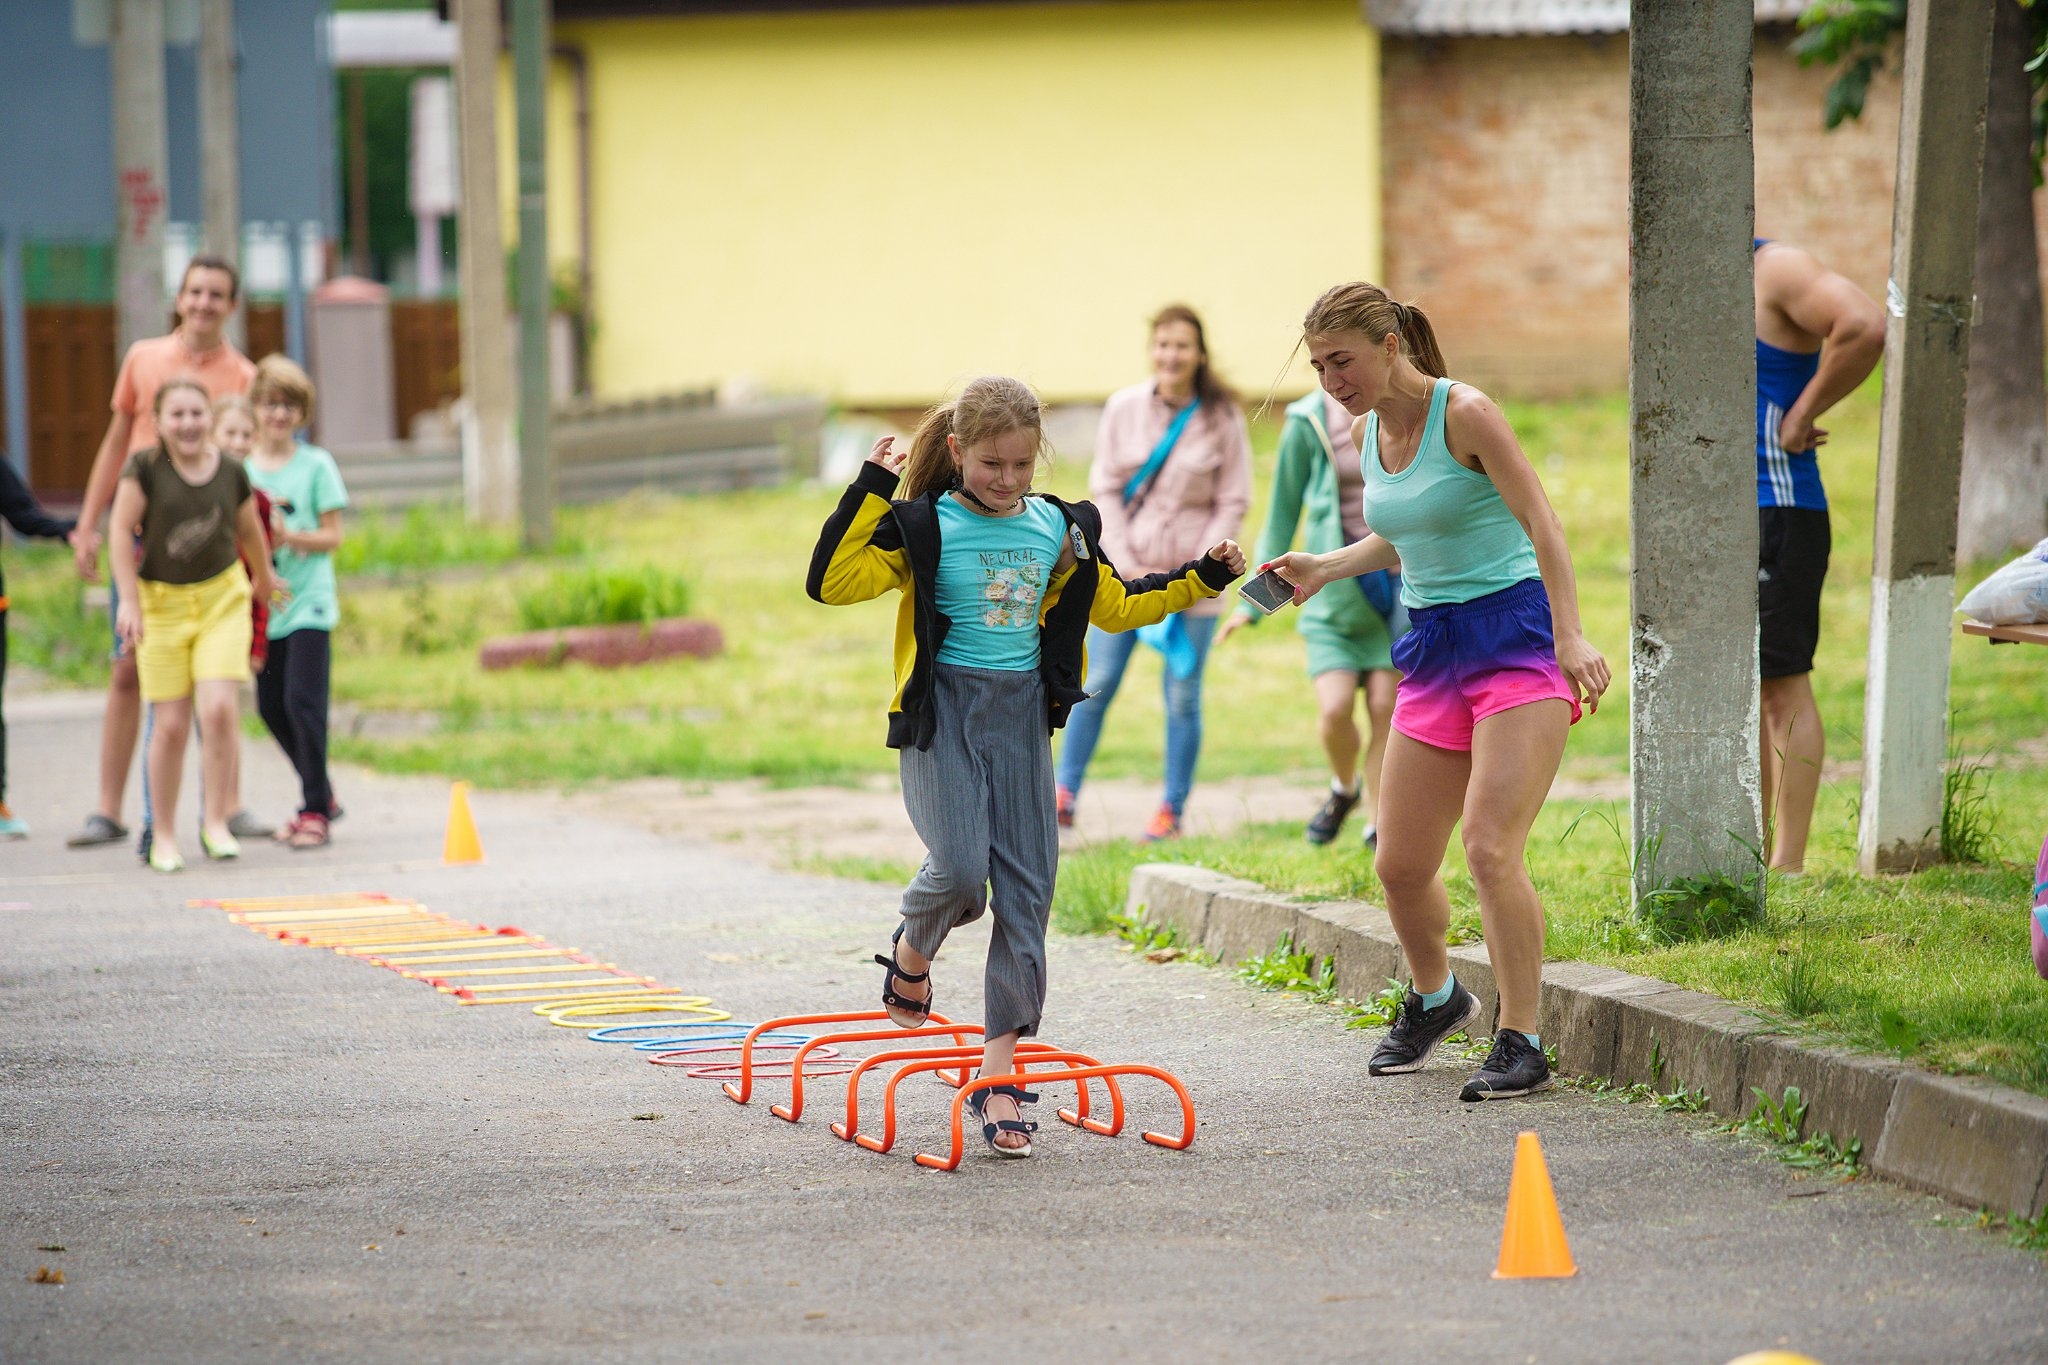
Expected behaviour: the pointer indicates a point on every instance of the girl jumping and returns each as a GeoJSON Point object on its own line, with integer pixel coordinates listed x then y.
{"type": "Point", "coordinates": [1493, 669]}
{"type": "Point", "coordinates": [999, 587]}
{"type": "Point", "coordinates": [185, 606]}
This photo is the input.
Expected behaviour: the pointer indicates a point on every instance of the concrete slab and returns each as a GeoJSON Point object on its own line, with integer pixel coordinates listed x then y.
{"type": "Point", "coordinates": [1165, 893]}
{"type": "Point", "coordinates": [1671, 1037]}
{"type": "Point", "coordinates": [1580, 1013]}
{"type": "Point", "coordinates": [1959, 1136]}
{"type": "Point", "coordinates": [1246, 924]}
{"type": "Point", "coordinates": [1361, 939]}
{"type": "Point", "coordinates": [1848, 1094]}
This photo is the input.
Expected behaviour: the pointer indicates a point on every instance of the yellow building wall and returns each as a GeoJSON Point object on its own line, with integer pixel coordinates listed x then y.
{"type": "Point", "coordinates": [880, 205]}
{"type": "Point", "coordinates": [565, 228]}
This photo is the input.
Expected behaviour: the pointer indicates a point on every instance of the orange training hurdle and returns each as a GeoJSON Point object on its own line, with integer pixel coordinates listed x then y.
{"type": "Point", "coordinates": [1079, 1073]}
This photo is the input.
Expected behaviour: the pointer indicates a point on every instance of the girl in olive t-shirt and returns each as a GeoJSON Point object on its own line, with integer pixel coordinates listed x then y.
{"type": "Point", "coordinates": [185, 606]}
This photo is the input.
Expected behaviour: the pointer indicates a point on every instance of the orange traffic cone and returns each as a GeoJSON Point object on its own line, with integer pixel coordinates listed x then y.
{"type": "Point", "coordinates": [462, 845]}
{"type": "Point", "coordinates": [1532, 1245]}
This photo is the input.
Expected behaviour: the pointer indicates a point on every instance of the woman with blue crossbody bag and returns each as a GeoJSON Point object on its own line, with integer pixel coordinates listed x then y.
{"type": "Point", "coordinates": [1172, 469]}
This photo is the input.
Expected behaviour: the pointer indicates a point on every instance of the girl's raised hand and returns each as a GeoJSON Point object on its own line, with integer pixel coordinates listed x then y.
{"type": "Point", "coordinates": [1230, 554]}
{"type": "Point", "coordinates": [889, 458]}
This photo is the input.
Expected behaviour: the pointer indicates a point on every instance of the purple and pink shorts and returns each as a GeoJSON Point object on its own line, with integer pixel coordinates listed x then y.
{"type": "Point", "coordinates": [1464, 661]}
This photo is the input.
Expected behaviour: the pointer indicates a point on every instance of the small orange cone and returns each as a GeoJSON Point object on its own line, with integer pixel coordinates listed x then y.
{"type": "Point", "coordinates": [1532, 1245]}
{"type": "Point", "coordinates": [462, 845]}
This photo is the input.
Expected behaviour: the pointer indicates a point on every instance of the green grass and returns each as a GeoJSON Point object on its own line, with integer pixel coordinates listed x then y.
{"type": "Point", "coordinates": [800, 695]}
{"type": "Point", "coordinates": [1931, 967]}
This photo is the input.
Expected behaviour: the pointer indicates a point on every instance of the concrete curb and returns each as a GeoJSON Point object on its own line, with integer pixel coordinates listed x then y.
{"type": "Point", "coordinates": [1981, 1144]}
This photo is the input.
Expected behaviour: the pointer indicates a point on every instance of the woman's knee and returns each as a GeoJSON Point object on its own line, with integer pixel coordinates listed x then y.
{"type": "Point", "coordinates": [1494, 857]}
{"type": "Point", "coordinates": [1401, 875]}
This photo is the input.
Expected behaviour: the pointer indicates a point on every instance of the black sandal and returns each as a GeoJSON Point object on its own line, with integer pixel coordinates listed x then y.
{"type": "Point", "coordinates": [978, 1102]}
{"type": "Point", "coordinates": [892, 1002]}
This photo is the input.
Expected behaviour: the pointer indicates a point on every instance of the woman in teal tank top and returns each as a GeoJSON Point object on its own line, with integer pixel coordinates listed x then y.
{"type": "Point", "coordinates": [1494, 667]}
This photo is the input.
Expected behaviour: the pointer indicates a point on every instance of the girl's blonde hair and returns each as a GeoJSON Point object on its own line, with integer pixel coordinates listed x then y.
{"type": "Point", "coordinates": [178, 381]}
{"type": "Point", "coordinates": [281, 375]}
{"type": "Point", "coordinates": [988, 407]}
{"type": "Point", "coordinates": [1368, 309]}
{"type": "Point", "coordinates": [233, 402]}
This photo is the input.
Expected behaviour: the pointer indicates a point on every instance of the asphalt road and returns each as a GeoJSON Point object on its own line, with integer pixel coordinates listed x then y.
{"type": "Point", "coordinates": [254, 1152]}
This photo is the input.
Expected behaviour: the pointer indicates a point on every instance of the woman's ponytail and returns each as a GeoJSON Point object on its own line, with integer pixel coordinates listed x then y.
{"type": "Point", "coordinates": [1420, 340]}
{"type": "Point", "coordinates": [1368, 309]}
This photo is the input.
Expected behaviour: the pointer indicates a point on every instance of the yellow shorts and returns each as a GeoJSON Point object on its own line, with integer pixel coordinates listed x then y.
{"type": "Point", "coordinates": [193, 632]}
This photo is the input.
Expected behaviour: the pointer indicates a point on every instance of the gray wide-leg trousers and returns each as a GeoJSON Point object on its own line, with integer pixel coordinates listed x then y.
{"type": "Point", "coordinates": [981, 798]}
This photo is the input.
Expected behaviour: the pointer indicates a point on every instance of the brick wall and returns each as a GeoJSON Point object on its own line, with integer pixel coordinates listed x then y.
{"type": "Point", "coordinates": [1506, 195]}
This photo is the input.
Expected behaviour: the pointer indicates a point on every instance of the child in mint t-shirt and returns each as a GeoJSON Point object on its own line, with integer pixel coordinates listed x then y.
{"type": "Point", "coordinates": [306, 494]}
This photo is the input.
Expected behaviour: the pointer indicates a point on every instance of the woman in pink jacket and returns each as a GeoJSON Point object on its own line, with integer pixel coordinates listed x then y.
{"type": "Point", "coordinates": [1172, 475]}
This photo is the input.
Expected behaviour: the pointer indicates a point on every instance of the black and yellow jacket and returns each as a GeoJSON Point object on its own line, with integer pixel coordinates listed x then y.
{"type": "Point", "coordinates": [872, 543]}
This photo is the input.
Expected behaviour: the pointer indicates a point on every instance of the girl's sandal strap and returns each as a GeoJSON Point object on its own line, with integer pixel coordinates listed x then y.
{"type": "Point", "coordinates": [892, 999]}
{"type": "Point", "coordinates": [1015, 1092]}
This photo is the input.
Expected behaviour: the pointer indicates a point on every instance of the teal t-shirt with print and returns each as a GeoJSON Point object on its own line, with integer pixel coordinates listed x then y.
{"type": "Point", "coordinates": [310, 482]}
{"type": "Point", "coordinates": [992, 577]}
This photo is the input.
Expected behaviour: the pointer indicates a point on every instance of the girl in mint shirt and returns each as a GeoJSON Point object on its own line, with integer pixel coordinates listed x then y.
{"type": "Point", "coordinates": [306, 496]}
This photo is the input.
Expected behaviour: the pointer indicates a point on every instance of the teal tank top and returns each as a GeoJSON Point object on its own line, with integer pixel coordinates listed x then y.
{"type": "Point", "coordinates": [1457, 538]}
{"type": "Point", "coordinates": [992, 577]}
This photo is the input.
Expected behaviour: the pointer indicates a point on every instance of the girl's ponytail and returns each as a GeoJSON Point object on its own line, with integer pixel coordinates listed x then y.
{"type": "Point", "coordinates": [930, 465]}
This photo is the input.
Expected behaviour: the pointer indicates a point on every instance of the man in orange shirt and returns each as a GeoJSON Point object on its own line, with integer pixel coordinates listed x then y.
{"type": "Point", "coordinates": [196, 347]}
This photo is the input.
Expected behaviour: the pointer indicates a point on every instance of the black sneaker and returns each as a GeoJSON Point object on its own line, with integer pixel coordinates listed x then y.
{"type": "Point", "coordinates": [1417, 1032]}
{"type": "Point", "coordinates": [1324, 824]}
{"type": "Point", "coordinates": [1516, 1066]}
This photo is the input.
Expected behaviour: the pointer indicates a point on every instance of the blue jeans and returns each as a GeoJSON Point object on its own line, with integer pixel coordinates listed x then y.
{"type": "Point", "coordinates": [1107, 656]}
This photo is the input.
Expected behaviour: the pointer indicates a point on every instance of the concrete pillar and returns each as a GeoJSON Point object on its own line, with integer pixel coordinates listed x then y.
{"type": "Point", "coordinates": [1693, 761]}
{"type": "Point", "coordinates": [1920, 439]}
{"type": "Point", "coordinates": [536, 456]}
{"type": "Point", "coordinates": [490, 464]}
{"type": "Point", "coordinates": [141, 168]}
{"type": "Point", "coordinates": [220, 145]}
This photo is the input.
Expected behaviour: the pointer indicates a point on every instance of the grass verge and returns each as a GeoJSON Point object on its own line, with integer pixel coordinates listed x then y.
{"type": "Point", "coordinates": [1931, 967]}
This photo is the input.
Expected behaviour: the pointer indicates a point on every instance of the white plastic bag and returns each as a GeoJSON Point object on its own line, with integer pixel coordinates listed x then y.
{"type": "Point", "coordinates": [2016, 595]}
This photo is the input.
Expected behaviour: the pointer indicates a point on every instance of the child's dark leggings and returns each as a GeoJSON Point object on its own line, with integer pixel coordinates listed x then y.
{"type": "Point", "coordinates": [291, 695]}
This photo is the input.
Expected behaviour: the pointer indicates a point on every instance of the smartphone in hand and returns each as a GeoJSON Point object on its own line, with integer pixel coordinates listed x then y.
{"type": "Point", "coordinates": [1268, 592]}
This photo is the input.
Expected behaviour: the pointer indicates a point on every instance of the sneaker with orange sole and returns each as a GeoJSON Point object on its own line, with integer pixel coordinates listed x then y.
{"type": "Point", "coordinates": [1164, 824]}
{"type": "Point", "coordinates": [1063, 806]}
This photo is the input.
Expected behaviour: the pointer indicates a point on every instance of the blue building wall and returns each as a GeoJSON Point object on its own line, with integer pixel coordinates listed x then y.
{"type": "Point", "coordinates": [57, 142]}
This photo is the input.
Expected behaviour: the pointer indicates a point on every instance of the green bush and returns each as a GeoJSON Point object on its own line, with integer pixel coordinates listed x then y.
{"type": "Point", "coordinates": [604, 597]}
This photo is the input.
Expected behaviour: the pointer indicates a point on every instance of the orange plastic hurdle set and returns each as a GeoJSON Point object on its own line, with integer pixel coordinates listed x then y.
{"type": "Point", "coordinates": [474, 964]}
{"type": "Point", "coordinates": [951, 1057]}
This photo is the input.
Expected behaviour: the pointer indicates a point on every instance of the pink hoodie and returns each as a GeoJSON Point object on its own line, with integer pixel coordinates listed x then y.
{"type": "Point", "coordinates": [1198, 497]}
